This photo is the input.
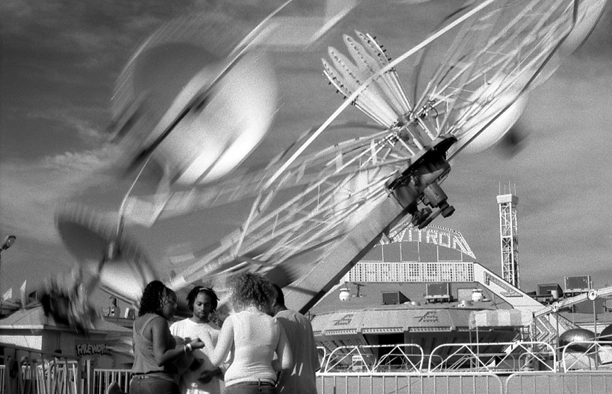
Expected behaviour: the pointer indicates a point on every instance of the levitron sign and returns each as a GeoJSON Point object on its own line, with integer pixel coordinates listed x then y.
{"type": "Point", "coordinates": [438, 236]}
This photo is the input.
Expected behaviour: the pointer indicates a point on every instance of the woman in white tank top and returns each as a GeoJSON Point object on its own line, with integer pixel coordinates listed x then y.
{"type": "Point", "coordinates": [251, 338]}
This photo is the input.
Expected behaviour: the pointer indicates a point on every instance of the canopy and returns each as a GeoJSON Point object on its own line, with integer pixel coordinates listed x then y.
{"type": "Point", "coordinates": [500, 318]}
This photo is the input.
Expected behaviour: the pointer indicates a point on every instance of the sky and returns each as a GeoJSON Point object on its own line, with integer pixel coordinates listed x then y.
{"type": "Point", "coordinates": [59, 61]}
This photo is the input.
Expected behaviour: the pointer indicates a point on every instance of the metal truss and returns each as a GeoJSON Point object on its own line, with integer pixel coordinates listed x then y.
{"type": "Point", "coordinates": [305, 199]}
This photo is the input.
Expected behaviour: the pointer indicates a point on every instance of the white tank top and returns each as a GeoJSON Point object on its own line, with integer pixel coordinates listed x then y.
{"type": "Point", "coordinates": [256, 336]}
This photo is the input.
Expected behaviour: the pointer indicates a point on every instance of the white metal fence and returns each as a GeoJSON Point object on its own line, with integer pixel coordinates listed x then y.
{"type": "Point", "coordinates": [591, 355]}
{"type": "Point", "coordinates": [374, 358]}
{"type": "Point", "coordinates": [496, 357]}
{"type": "Point", "coordinates": [28, 371]}
{"type": "Point", "coordinates": [523, 368]}
{"type": "Point", "coordinates": [100, 379]}
{"type": "Point", "coordinates": [584, 382]}
{"type": "Point", "coordinates": [406, 383]}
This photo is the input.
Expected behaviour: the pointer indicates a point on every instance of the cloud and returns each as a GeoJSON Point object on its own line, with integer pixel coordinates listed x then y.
{"type": "Point", "coordinates": [562, 179]}
{"type": "Point", "coordinates": [85, 27]}
{"type": "Point", "coordinates": [31, 191]}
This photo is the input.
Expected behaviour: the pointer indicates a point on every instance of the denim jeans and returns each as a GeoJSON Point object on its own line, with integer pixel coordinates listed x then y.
{"type": "Point", "coordinates": [249, 388]}
{"type": "Point", "coordinates": [153, 385]}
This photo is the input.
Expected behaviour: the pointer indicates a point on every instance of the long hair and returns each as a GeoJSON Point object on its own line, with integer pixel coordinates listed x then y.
{"type": "Point", "coordinates": [193, 294]}
{"type": "Point", "coordinates": [152, 298]}
{"type": "Point", "coordinates": [250, 289]}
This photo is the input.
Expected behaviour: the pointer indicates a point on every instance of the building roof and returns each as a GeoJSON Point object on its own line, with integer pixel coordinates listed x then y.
{"type": "Point", "coordinates": [35, 318]}
{"type": "Point", "coordinates": [388, 321]}
{"type": "Point", "coordinates": [365, 311]}
{"type": "Point", "coordinates": [369, 295]}
{"type": "Point", "coordinates": [25, 319]}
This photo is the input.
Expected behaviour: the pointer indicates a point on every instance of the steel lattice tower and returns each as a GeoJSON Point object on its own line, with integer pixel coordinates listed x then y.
{"type": "Point", "coordinates": [508, 238]}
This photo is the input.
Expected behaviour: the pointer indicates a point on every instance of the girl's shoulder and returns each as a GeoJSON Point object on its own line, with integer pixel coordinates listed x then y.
{"type": "Point", "coordinates": [249, 316]}
{"type": "Point", "coordinates": [152, 318]}
{"type": "Point", "coordinates": [147, 321]}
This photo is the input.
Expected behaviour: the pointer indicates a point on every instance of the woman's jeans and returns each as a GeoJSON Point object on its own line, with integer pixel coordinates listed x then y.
{"type": "Point", "coordinates": [143, 384]}
{"type": "Point", "coordinates": [249, 388]}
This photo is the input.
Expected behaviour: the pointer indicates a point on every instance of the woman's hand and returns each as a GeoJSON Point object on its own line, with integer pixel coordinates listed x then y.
{"type": "Point", "coordinates": [196, 344]}
{"type": "Point", "coordinates": [205, 377]}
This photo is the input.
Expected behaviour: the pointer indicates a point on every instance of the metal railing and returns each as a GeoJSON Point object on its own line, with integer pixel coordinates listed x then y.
{"type": "Point", "coordinates": [406, 383]}
{"type": "Point", "coordinates": [591, 382]}
{"type": "Point", "coordinates": [375, 359]}
{"type": "Point", "coordinates": [491, 357]}
{"type": "Point", "coordinates": [100, 379]}
{"type": "Point", "coordinates": [2, 370]}
{"type": "Point", "coordinates": [587, 355]}
{"type": "Point", "coordinates": [495, 357]}
{"type": "Point", "coordinates": [365, 369]}
{"type": "Point", "coordinates": [30, 371]}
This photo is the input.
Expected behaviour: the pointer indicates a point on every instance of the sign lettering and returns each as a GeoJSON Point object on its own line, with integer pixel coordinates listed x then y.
{"type": "Point", "coordinates": [429, 317]}
{"type": "Point", "coordinates": [437, 236]}
{"type": "Point", "coordinates": [88, 349]}
{"type": "Point", "coordinates": [346, 320]}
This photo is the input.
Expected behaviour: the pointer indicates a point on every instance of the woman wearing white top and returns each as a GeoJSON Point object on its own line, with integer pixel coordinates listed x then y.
{"type": "Point", "coordinates": [255, 337]}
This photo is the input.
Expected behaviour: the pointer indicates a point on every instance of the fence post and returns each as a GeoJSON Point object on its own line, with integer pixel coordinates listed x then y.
{"type": "Point", "coordinates": [89, 379]}
{"type": "Point", "coordinates": [11, 371]}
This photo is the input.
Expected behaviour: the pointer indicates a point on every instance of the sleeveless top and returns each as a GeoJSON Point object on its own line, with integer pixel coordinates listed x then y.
{"type": "Point", "coordinates": [255, 338]}
{"type": "Point", "coordinates": [302, 379]}
{"type": "Point", "coordinates": [144, 357]}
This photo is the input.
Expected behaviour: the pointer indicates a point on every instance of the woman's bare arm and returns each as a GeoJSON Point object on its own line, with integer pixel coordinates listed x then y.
{"type": "Point", "coordinates": [224, 344]}
{"type": "Point", "coordinates": [162, 350]}
{"type": "Point", "coordinates": [283, 352]}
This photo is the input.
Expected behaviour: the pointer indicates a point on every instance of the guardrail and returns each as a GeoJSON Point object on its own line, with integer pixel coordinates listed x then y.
{"type": "Point", "coordinates": [2, 369]}
{"type": "Point", "coordinates": [591, 382]}
{"type": "Point", "coordinates": [587, 355]}
{"type": "Point", "coordinates": [406, 358]}
{"type": "Point", "coordinates": [366, 369]}
{"type": "Point", "coordinates": [100, 379]}
{"type": "Point", "coordinates": [495, 357]}
{"type": "Point", "coordinates": [474, 357]}
{"type": "Point", "coordinates": [31, 371]}
{"type": "Point", "coordinates": [536, 382]}
{"type": "Point", "coordinates": [406, 383]}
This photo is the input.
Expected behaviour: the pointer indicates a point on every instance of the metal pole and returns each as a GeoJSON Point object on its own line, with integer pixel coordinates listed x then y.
{"type": "Point", "coordinates": [557, 336]}
{"type": "Point", "coordinates": [595, 338]}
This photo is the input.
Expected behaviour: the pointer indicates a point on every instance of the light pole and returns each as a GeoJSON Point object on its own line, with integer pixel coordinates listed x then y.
{"type": "Point", "coordinates": [8, 241]}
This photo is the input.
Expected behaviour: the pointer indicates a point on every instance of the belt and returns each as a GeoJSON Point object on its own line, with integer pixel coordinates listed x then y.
{"type": "Point", "coordinates": [255, 383]}
{"type": "Point", "coordinates": [158, 375]}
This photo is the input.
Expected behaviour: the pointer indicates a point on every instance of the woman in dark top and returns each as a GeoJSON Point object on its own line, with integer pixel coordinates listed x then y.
{"type": "Point", "coordinates": [155, 349]}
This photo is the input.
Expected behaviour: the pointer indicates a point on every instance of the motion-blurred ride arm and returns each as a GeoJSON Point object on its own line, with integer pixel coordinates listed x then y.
{"type": "Point", "coordinates": [407, 191]}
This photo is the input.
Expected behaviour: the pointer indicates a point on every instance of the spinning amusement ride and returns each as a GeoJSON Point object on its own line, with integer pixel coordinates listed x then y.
{"type": "Point", "coordinates": [308, 213]}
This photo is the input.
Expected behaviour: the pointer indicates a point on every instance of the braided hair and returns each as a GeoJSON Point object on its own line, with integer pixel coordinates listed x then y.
{"type": "Point", "coordinates": [193, 294]}
{"type": "Point", "coordinates": [251, 289]}
{"type": "Point", "coordinates": [152, 298]}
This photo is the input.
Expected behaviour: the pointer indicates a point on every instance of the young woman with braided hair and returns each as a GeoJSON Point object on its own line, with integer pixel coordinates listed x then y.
{"type": "Point", "coordinates": [155, 350]}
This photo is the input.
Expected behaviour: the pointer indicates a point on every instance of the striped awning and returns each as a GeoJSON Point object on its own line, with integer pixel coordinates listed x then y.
{"type": "Point", "coordinates": [500, 318]}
